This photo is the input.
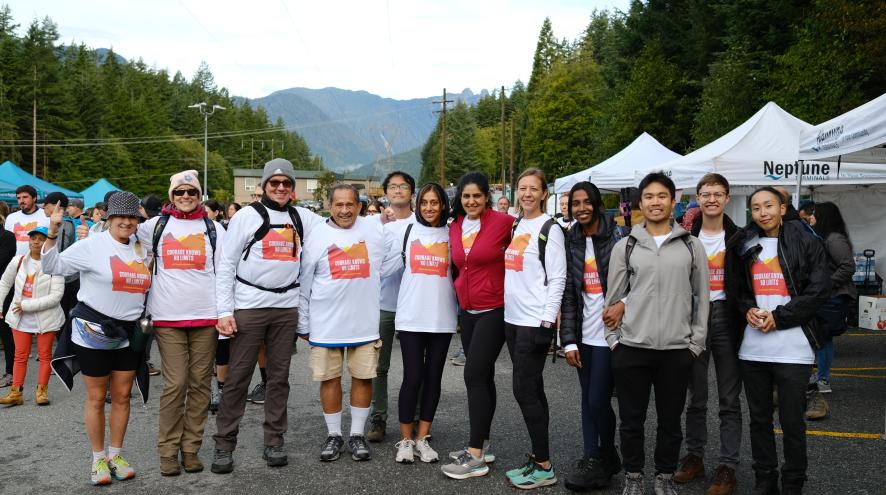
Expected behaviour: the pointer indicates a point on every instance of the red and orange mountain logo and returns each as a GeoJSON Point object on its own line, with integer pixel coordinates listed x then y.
{"type": "Point", "coordinates": [184, 253]}
{"type": "Point", "coordinates": [131, 277]}
{"type": "Point", "coordinates": [278, 244]}
{"type": "Point", "coordinates": [429, 259]}
{"type": "Point", "coordinates": [717, 269]}
{"type": "Point", "coordinates": [592, 283]}
{"type": "Point", "coordinates": [21, 230]}
{"type": "Point", "coordinates": [467, 241]}
{"type": "Point", "coordinates": [349, 262]}
{"type": "Point", "coordinates": [514, 252]}
{"type": "Point", "coordinates": [768, 279]}
{"type": "Point", "coordinates": [28, 288]}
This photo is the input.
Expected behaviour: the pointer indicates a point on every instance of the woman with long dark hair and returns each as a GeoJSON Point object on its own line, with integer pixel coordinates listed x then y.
{"type": "Point", "coordinates": [830, 226]}
{"type": "Point", "coordinates": [478, 237]}
{"type": "Point", "coordinates": [777, 274]}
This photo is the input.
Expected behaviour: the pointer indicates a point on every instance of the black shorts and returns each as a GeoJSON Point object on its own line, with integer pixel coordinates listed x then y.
{"type": "Point", "coordinates": [96, 362]}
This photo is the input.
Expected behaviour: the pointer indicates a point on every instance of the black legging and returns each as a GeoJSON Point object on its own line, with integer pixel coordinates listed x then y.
{"type": "Point", "coordinates": [482, 336]}
{"type": "Point", "coordinates": [6, 336]}
{"type": "Point", "coordinates": [528, 347]}
{"type": "Point", "coordinates": [424, 355]}
{"type": "Point", "coordinates": [223, 352]}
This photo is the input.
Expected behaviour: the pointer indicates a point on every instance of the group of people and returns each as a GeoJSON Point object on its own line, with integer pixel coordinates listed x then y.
{"type": "Point", "coordinates": [636, 309]}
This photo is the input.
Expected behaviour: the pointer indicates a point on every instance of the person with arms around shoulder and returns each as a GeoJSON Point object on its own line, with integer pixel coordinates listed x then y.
{"type": "Point", "coordinates": [778, 275]}
{"type": "Point", "coordinates": [656, 320]}
{"type": "Point", "coordinates": [184, 244]}
{"type": "Point", "coordinates": [478, 238]}
{"type": "Point", "coordinates": [714, 228]}
{"type": "Point", "coordinates": [35, 312]}
{"type": "Point", "coordinates": [257, 297]}
{"type": "Point", "coordinates": [589, 244]}
{"type": "Point", "coordinates": [426, 316]}
{"type": "Point", "coordinates": [399, 188]}
{"type": "Point", "coordinates": [339, 313]}
{"type": "Point", "coordinates": [535, 276]}
{"type": "Point", "coordinates": [102, 339]}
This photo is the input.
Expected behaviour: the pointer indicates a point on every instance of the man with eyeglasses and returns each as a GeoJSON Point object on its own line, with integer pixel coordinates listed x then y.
{"type": "Point", "coordinates": [257, 294]}
{"type": "Point", "coordinates": [714, 229]}
{"type": "Point", "coordinates": [399, 188]}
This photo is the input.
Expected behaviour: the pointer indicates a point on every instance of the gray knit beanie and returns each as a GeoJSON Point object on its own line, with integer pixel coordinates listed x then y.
{"type": "Point", "coordinates": [277, 166]}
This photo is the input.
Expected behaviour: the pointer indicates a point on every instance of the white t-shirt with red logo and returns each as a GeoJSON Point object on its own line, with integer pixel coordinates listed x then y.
{"type": "Point", "coordinates": [185, 275]}
{"type": "Point", "coordinates": [715, 248]}
{"type": "Point", "coordinates": [390, 284]}
{"type": "Point", "coordinates": [28, 321]}
{"type": "Point", "coordinates": [770, 290]}
{"type": "Point", "coordinates": [340, 283]}
{"type": "Point", "coordinates": [426, 301]}
{"type": "Point", "coordinates": [592, 291]}
{"type": "Point", "coordinates": [469, 230]}
{"type": "Point", "coordinates": [528, 301]}
{"type": "Point", "coordinates": [20, 224]}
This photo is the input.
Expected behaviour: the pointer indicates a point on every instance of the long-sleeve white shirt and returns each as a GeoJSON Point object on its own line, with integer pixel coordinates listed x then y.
{"type": "Point", "coordinates": [528, 301]}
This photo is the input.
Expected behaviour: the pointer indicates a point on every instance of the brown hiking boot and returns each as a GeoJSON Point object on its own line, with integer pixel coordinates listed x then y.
{"type": "Point", "coordinates": [42, 396]}
{"type": "Point", "coordinates": [13, 398]}
{"type": "Point", "coordinates": [724, 481]}
{"type": "Point", "coordinates": [816, 407]}
{"type": "Point", "coordinates": [691, 467]}
{"type": "Point", "coordinates": [169, 466]}
{"type": "Point", "coordinates": [376, 432]}
{"type": "Point", "coordinates": [191, 462]}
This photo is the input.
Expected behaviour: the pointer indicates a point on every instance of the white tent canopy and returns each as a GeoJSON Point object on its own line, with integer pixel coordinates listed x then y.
{"type": "Point", "coordinates": [764, 150]}
{"type": "Point", "coordinates": [618, 170]}
{"type": "Point", "coordinates": [858, 135]}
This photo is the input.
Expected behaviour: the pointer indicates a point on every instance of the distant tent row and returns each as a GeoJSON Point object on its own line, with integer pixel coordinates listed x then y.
{"type": "Point", "coordinates": [12, 176]}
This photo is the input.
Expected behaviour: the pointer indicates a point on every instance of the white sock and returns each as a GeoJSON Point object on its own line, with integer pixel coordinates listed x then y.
{"type": "Point", "coordinates": [333, 423]}
{"type": "Point", "coordinates": [113, 451]}
{"type": "Point", "coordinates": [358, 420]}
{"type": "Point", "coordinates": [97, 456]}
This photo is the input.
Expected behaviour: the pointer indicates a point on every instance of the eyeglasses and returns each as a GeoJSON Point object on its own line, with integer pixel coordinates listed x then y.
{"type": "Point", "coordinates": [402, 187]}
{"type": "Point", "coordinates": [274, 183]}
{"type": "Point", "coordinates": [716, 195]}
{"type": "Point", "coordinates": [189, 191]}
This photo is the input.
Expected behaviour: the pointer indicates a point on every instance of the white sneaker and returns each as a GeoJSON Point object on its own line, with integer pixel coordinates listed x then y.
{"type": "Point", "coordinates": [405, 451]}
{"type": "Point", "coordinates": [425, 452]}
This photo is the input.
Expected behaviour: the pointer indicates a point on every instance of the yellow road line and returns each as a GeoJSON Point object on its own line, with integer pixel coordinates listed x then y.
{"type": "Point", "coordinates": [859, 376]}
{"type": "Point", "coordinates": [837, 434]}
{"type": "Point", "coordinates": [860, 369]}
{"type": "Point", "coordinates": [873, 333]}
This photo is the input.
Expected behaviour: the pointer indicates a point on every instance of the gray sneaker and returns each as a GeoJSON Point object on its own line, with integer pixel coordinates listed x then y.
{"type": "Point", "coordinates": [634, 484]}
{"type": "Point", "coordinates": [5, 380]}
{"type": "Point", "coordinates": [488, 457]}
{"type": "Point", "coordinates": [458, 359]}
{"type": "Point", "coordinates": [664, 484]}
{"type": "Point", "coordinates": [257, 396]}
{"type": "Point", "coordinates": [275, 455]}
{"type": "Point", "coordinates": [824, 386]}
{"type": "Point", "coordinates": [359, 448]}
{"type": "Point", "coordinates": [215, 400]}
{"type": "Point", "coordinates": [332, 448]}
{"type": "Point", "coordinates": [466, 466]}
{"type": "Point", "coordinates": [222, 462]}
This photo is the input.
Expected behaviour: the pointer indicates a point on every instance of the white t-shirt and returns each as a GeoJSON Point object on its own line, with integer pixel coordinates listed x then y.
{"type": "Point", "coordinates": [426, 301]}
{"type": "Point", "coordinates": [777, 346]}
{"type": "Point", "coordinates": [592, 316]}
{"type": "Point", "coordinates": [715, 248]}
{"type": "Point", "coordinates": [659, 239]}
{"type": "Point", "coordinates": [184, 283]}
{"type": "Point", "coordinates": [528, 301]}
{"type": "Point", "coordinates": [20, 224]}
{"type": "Point", "coordinates": [390, 285]}
{"type": "Point", "coordinates": [340, 280]}
{"type": "Point", "coordinates": [28, 321]}
{"type": "Point", "coordinates": [469, 230]}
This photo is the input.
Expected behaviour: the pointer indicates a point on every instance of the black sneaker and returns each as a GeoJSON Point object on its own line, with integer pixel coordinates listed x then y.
{"type": "Point", "coordinates": [257, 396]}
{"type": "Point", "coordinates": [611, 463]}
{"type": "Point", "coordinates": [222, 462]}
{"type": "Point", "coordinates": [359, 448]}
{"type": "Point", "coordinates": [275, 455]}
{"type": "Point", "coordinates": [332, 448]}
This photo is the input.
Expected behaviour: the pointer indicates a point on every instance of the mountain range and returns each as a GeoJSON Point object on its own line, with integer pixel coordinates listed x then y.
{"type": "Point", "coordinates": [356, 130]}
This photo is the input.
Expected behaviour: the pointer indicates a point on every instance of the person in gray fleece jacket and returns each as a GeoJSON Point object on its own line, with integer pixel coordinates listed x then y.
{"type": "Point", "coordinates": [656, 317]}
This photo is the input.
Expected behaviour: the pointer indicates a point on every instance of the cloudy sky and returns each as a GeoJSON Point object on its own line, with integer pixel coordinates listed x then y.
{"type": "Point", "coordinates": [394, 48]}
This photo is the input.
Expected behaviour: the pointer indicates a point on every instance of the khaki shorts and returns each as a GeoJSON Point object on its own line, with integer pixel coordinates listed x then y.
{"type": "Point", "coordinates": [326, 362]}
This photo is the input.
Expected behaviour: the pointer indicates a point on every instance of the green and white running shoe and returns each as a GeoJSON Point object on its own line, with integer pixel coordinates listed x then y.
{"type": "Point", "coordinates": [120, 468]}
{"type": "Point", "coordinates": [534, 477]}
{"type": "Point", "coordinates": [525, 468]}
{"type": "Point", "coordinates": [101, 473]}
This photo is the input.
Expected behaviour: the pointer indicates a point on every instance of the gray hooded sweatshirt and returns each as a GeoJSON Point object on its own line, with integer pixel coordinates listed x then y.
{"type": "Point", "coordinates": [666, 306]}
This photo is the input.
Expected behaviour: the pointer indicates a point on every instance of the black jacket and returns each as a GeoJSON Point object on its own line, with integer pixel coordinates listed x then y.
{"type": "Point", "coordinates": [572, 309]}
{"type": "Point", "coordinates": [806, 274]}
{"type": "Point", "coordinates": [7, 252]}
{"type": "Point", "coordinates": [736, 321]}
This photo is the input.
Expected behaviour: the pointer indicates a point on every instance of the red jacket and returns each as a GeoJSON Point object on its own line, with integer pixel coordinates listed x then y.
{"type": "Point", "coordinates": [481, 275]}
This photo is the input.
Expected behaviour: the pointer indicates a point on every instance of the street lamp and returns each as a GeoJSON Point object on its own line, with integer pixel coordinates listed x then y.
{"type": "Point", "coordinates": [206, 113]}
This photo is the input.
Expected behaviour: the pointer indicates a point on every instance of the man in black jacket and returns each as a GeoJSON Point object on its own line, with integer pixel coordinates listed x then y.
{"type": "Point", "coordinates": [589, 243]}
{"type": "Point", "coordinates": [714, 228]}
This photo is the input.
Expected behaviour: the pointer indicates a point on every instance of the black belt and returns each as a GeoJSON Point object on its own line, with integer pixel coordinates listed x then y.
{"type": "Point", "coordinates": [279, 290]}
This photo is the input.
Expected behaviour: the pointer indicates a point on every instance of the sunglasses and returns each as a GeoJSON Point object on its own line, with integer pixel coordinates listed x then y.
{"type": "Point", "coordinates": [181, 192]}
{"type": "Point", "coordinates": [274, 183]}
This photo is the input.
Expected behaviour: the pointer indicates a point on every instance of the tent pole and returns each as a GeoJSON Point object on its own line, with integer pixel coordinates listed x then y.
{"type": "Point", "coordinates": [799, 184]}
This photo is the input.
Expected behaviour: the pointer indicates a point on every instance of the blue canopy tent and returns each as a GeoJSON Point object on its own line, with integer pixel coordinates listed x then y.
{"type": "Point", "coordinates": [96, 192]}
{"type": "Point", "coordinates": [14, 176]}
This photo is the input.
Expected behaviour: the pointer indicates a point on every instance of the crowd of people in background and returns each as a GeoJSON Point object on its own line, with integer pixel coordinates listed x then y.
{"type": "Point", "coordinates": [633, 310]}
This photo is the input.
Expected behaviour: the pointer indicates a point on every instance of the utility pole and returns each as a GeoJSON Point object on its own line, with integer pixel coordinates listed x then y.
{"type": "Point", "coordinates": [512, 160]}
{"type": "Point", "coordinates": [252, 153]}
{"type": "Point", "coordinates": [34, 136]}
{"type": "Point", "coordinates": [444, 101]}
{"type": "Point", "coordinates": [502, 98]}
{"type": "Point", "coordinates": [206, 113]}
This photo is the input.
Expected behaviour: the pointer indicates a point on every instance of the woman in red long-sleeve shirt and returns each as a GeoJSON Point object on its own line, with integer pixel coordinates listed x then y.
{"type": "Point", "coordinates": [478, 238]}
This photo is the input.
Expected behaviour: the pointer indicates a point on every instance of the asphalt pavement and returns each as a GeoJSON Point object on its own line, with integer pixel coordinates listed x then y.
{"type": "Point", "coordinates": [44, 449]}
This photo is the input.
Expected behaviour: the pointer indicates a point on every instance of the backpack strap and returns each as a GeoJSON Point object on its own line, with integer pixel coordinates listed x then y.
{"type": "Point", "coordinates": [262, 230]}
{"type": "Point", "coordinates": [629, 248]}
{"type": "Point", "coordinates": [159, 227]}
{"type": "Point", "coordinates": [543, 244]}
{"type": "Point", "coordinates": [19, 267]}
{"type": "Point", "coordinates": [213, 238]}
{"type": "Point", "coordinates": [405, 243]}
{"type": "Point", "coordinates": [299, 228]}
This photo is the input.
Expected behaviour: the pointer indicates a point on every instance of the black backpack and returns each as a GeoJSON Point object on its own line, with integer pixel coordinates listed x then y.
{"type": "Point", "coordinates": [266, 226]}
{"type": "Point", "coordinates": [160, 226]}
{"type": "Point", "coordinates": [542, 240]}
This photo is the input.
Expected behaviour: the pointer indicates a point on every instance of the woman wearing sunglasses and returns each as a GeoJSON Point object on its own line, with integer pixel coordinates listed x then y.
{"type": "Point", "coordinates": [182, 305]}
